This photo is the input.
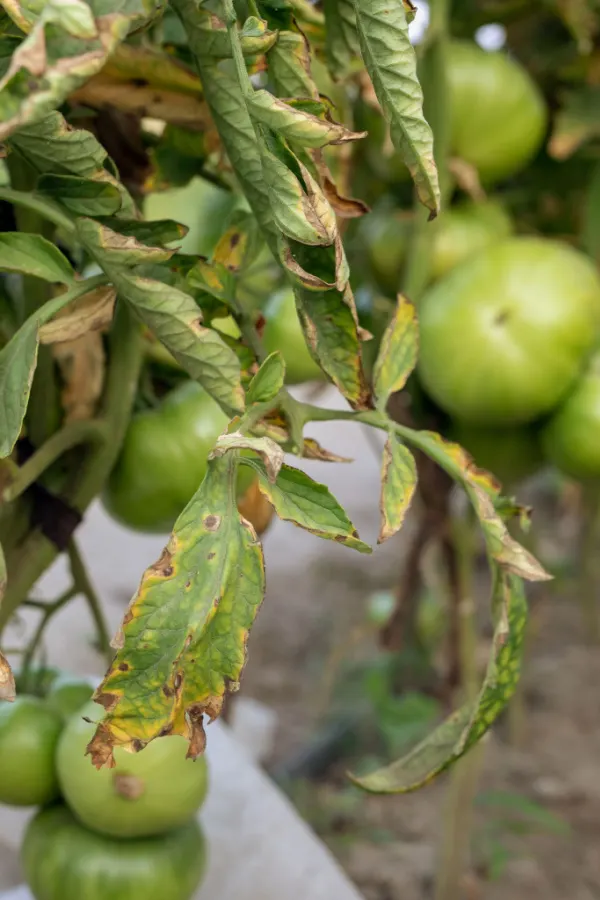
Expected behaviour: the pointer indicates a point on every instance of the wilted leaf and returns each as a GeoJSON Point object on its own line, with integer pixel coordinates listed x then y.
{"type": "Point", "coordinates": [240, 243]}
{"type": "Point", "coordinates": [268, 381]}
{"type": "Point", "coordinates": [296, 124]}
{"type": "Point", "coordinates": [397, 353]}
{"type": "Point", "coordinates": [53, 146]}
{"type": "Point", "coordinates": [66, 45]}
{"type": "Point", "coordinates": [289, 66]}
{"type": "Point", "coordinates": [159, 232]}
{"type": "Point", "coordinates": [32, 254]}
{"type": "Point", "coordinates": [310, 505]}
{"type": "Point", "coordinates": [134, 98]}
{"type": "Point", "coordinates": [398, 483]}
{"type": "Point", "coordinates": [313, 450]}
{"type": "Point", "coordinates": [81, 363]}
{"type": "Point", "coordinates": [184, 635]}
{"type": "Point", "coordinates": [168, 312]}
{"type": "Point", "coordinates": [81, 196]}
{"type": "Point", "coordinates": [271, 453]}
{"type": "Point", "coordinates": [91, 312]}
{"type": "Point", "coordinates": [391, 62]}
{"type": "Point", "coordinates": [454, 737]}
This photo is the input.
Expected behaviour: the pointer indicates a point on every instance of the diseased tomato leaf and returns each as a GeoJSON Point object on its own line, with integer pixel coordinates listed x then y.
{"type": "Point", "coordinates": [397, 353]}
{"type": "Point", "coordinates": [457, 734]}
{"type": "Point", "coordinates": [398, 483]}
{"type": "Point", "coordinates": [82, 196]}
{"type": "Point", "coordinates": [182, 646]}
{"type": "Point", "coordinates": [32, 254]}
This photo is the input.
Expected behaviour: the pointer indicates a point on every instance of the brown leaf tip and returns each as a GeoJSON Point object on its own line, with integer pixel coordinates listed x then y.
{"type": "Point", "coordinates": [162, 566]}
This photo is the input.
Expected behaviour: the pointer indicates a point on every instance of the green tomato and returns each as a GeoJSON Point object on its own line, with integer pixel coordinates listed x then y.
{"type": "Point", "coordinates": [283, 332]}
{"type": "Point", "coordinates": [201, 206]}
{"type": "Point", "coordinates": [62, 860]}
{"type": "Point", "coordinates": [164, 458]}
{"type": "Point", "coordinates": [498, 114]}
{"type": "Point", "coordinates": [457, 234]}
{"type": "Point", "coordinates": [571, 438]}
{"type": "Point", "coordinates": [147, 793]}
{"type": "Point", "coordinates": [504, 336]}
{"type": "Point", "coordinates": [511, 454]}
{"type": "Point", "coordinates": [29, 733]}
{"type": "Point", "coordinates": [68, 694]}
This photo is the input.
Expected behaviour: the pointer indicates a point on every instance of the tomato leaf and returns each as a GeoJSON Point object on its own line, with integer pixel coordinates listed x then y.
{"type": "Point", "coordinates": [454, 737]}
{"type": "Point", "coordinates": [297, 125]}
{"type": "Point", "coordinates": [67, 45]}
{"type": "Point", "coordinates": [268, 381]}
{"type": "Point", "coordinates": [309, 505]}
{"type": "Point", "coordinates": [341, 36]}
{"type": "Point", "coordinates": [183, 641]}
{"type": "Point", "coordinates": [391, 62]}
{"type": "Point", "coordinates": [169, 313]}
{"type": "Point", "coordinates": [81, 196]}
{"type": "Point", "coordinates": [271, 453]}
{"type": "Point", "coordinates": [32, 254]}
{"type": "Point", "coordinates": [289, 66]}
{"type": "Point", "coordinates": [398, 483]}
{"type": "Point", "coordinates": [483, 491]}
{"type": "Point", "coordinates": [157, 233]}
{"type": "Point", "coordinates": [397, 353]}
{"type": "Point", "coordinates": [50, 145]}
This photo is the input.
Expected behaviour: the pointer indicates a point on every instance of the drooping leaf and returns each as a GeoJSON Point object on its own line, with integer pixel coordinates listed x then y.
{"type": "Point", "coordinates": [482, 490]}
{"type": "Point", "coordinates": [83, 197]}
{"type": "Point", "coordinates": [159, 232]}
{"type": "Point", "coordinates": [454, 737]}
{"type": "Point", "coordinates": [391, 62]}
{"type": "Point", "coordinates": [67, 44]}
{"type": "Point", "coordinates": [398, 483]}
{"type": "Point", "coordinates": [289, 66]}
{"type": "Point", "coordinates": [310, 505]}
{"type": "Point", "coordinates": [182, 645]}
{"type": "Point", "coordinates": [270, 452]}
{"type": "Point", "coordinates": [268, 381]}
{"type": "Point", "coordinates": [241, 242]}
{"type": "Point", "coordinates": [168, 312]}
{"type": "Point", "coordinates": [398, 352]}
{"type": "Point", "coordinates": [17, 366]}
{"type": "Point", "coordinates": [341, 36]}
{"type": "Point", "coordinates": [91, 312]}
{"type": "Point", "coordinates": [295, 124]}
{"type": "Point", "coordinates": [32, 254]}
{"type": "Point", "coordinates": [51, 145]}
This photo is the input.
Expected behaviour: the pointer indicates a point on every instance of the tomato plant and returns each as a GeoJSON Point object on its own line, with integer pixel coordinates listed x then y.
{"type": "Point", "coordinates": [29, 733]}
{"type": "Point", "coordinates": [183, 188]}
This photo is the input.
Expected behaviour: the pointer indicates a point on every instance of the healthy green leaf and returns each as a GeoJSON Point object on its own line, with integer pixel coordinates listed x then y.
{"type": "Point", "coordinates": [454, 737]}
{"type": "Point", "coordinates": [81, 196]}
{"type": "Point", "coordinates": [66, 46]}
{"type": "Point", "coordinates": [397, 353]}
{"type": "Point", "coordinates": [398, 483]}
{"type": "Point", "coordinates": [183, 642]}
{"type": "Point", "coordinates": [169, 313]}
{"type": "Point", "coordinates": [390, 59]}
{"type": "Point", "coordinates": [308, 504]}
{"type": "Point", "coordinates": [268, 381]}
{"type": "Point", "coordinates": [341, 36]}
{"type": "Point", "coordinates": [32, 254]}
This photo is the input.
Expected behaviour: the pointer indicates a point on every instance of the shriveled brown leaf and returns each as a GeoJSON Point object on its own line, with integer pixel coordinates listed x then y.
{"type": "Point", "coordinates": [7, 681]}
{"type": "Point", "coordinates": [144, 100]}
{"type": "Point", "coordinates": [92, 312]}
{"type": "Point", "coordinates": [81, 363]}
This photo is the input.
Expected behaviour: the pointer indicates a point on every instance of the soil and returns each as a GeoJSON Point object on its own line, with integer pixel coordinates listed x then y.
{"type": "Point", "coordinates": [546, 754]}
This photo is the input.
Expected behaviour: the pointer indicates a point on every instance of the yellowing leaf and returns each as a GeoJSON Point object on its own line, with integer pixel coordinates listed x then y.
{"type": "Point", "coordinates": [398, 483]}
{"type": "Point", "coordinates": [183, 640]}
{"type": "Point", "coordinates": [397, 353]}
{"type": "Point", "coordinates": [296, 124]}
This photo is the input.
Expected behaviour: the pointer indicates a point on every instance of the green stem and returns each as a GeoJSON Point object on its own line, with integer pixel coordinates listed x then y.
{"type": "Point", "coordinates": [36, 553]}
{"type": "Point", "coordinates": [84, 585]}
{"type": "Point", "coordinates": [88, 431]}
{"type": "Point", "coordinates": [465, 775]}
{"type": "Point", "coordinates": [48, 611]}
{"type": "Point", "coordinates": [44, 207]}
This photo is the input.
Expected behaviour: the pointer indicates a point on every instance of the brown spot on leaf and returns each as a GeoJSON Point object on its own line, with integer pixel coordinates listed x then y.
{"type": "Point", "coordinates": [178, 681]}
{"type": "Point", "coordinates": [123, 667]}
{"type": "Point", "coordinates": [108, 701]}
{"type": "Point", "coordinates": [188, 584]}
{"type": "Point", "coordinates": [211, 555]}
{"type": "Point", "coordinates": [163, 565]}
{"type": "Point", "coordinates": [235, 239]}
{"type": "Point", "coordinates": [167, 690]}
{"type": "Point", "coordinates": [137, 745]}
{"type": "Point", "coordinates": [212, 523]}
{"type": "Point", "coordinates": [129, 787]}
{"type": "Point", "coordinates": [195, 717]}
{"type": "Point", "coordinates": [165, 731]}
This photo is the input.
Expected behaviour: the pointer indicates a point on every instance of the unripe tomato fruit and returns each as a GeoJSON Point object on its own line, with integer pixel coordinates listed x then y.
{"type": "Point", "coordinates": [67, 694]}
{"type": "Point", "coordinates": [498, 115]}
{"type": "Point", "coordinates": [164, 458]}
{"type": "Point", "coordinates": [511, 454]}
{"type": "Point", "coordinates": [63, 860]}
{"type": "Point", "coordinates": [283, 332]}
{"type": "Point", "coordinates": [457, 234]}
{"type": "Point", "coordinates": [504, 336]}
{"type": "Point", "coordinates": [148, 793]}
{"type": "Point", "coordinates": [29, 733]}
{"type": "Point", "coordinates": [571, 438]}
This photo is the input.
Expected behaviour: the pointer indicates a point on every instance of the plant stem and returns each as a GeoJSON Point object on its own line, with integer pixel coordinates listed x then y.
{"type": "Point", "coordinates": [87, 431]}
{"type": "Point", "coordinates": [464, 776]}
{"type": "Point", "coordinates": [589, 583]}
{"type": "Point", "coordinates": [48, 611]}
{"type": "Point", "coordinates": [84, 585]}
{"type": "Point", "coordinates": [44, 207]}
